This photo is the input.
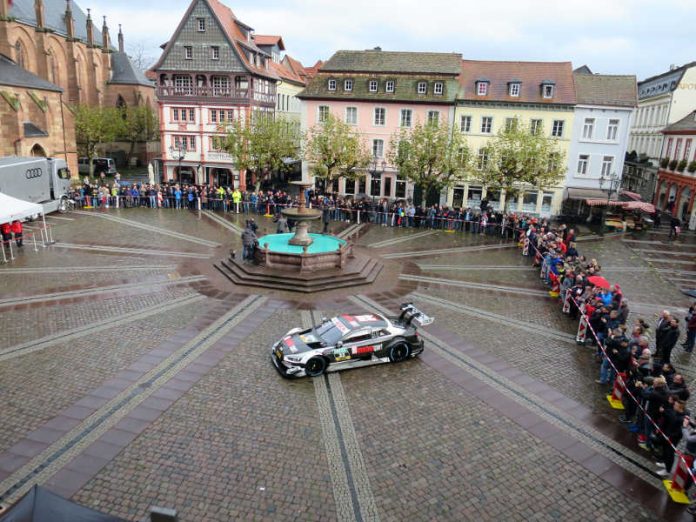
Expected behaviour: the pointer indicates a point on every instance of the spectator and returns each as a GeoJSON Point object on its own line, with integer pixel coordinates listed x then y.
{"type": "Point", "coordinates": [17, 230]}
{"type": "Point", "coordinates": [690, 329]}
{"type": "Point", "coordinates": [248, 242]}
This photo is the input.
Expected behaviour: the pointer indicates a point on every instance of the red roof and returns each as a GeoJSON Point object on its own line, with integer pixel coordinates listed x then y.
{"type": "Point", "coordinates": [269, 40]}
{"type": "Point", "coordinates": [314, 69]}
{"type": "Point", "coordinates": [295, 66]}
{"type": "Point", "coordinates": [530, 75]}
{"type": "Point", "coordinates": [285, 73]}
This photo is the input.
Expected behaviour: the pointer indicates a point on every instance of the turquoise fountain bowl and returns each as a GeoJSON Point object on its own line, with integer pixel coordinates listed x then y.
{"type": "Point", "coordinates": [321, 244]}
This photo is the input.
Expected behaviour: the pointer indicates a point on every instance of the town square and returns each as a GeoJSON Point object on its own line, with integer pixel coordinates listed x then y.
{"type": "Point", "coordinates": [369, 283]}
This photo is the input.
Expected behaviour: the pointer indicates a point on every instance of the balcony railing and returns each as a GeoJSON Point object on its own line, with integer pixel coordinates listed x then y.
{"type": "Point", "coordinates": [219, 156]}
{"type": "Point", "coordinates": [210, 92]}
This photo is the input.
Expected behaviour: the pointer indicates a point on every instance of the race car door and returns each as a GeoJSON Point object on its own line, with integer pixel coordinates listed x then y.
{"type": "Point", "coordinates": [359, 345]}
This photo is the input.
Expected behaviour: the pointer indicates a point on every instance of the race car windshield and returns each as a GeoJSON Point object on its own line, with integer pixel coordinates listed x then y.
{"type": "Point", "coordinates": [329, 333]}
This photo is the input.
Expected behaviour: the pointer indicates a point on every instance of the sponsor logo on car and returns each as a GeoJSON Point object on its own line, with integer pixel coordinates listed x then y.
{"type": "Point", "coordinates": [351, 320]}
{"type": "Point", "coordinates": [366, 318]}
{"type": "Point", "coordinates": [364, 350]}
{"type": "Point", "coordinates": [341, 354]}
{"type": "Point", "coordinates": [338, 324]}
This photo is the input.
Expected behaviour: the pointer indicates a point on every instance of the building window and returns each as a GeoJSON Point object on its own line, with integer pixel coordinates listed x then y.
{"type": "Point", "coordinates": [677, 148]}
{"type": "Point", "coordinates": [433, 118]}
{"type": "Point", "coordinates": [201, 25]}
{"type": "Point", "coordinates": [482, 88]}
{"type": "Point", "coordinates": [175, 114]}
{"type": "Point", "coordinates": [221, 85]}
{"type": "Point", "coordinates": [583, 163]}
{"type": "Point", "coordinates": [514, 89]}
{"type": "Point", "coordinates": [510, 124]}
{"type": "Point", "coordinates": [400, 189]}
{"type": "Point", "coordinates": [188, 52]}
{"type": "Point", "coordinates": [607, 163]}
{"type": "Point", "coordinates": [668, 152]}
{"type": "Point", "coordinates": [213, 115]}
{"type": "Point", "coordinates": [323, 113]}
{"type": "Point", "coordinates": [547, 90]}
{"type": "Point", "coordinates": [465, 124]}
{"type": "Point", "coordinates": [612, 130]}
{"type": "Point", "coordinates": [557, 130]}
{"type": "Point", "coordinates": [215, 52]}
{"type": "Point", "coordinates": [332, 85]}
{"type": "Point", "coordinates": [422, 87]}
{"type": "Point", "coordinates": [588, 128]}
{"type": "Point", "coordinates": [380, 116]}
{"type": "Point", "coordinates": [389, 86]}
{"type": "Point", "coordinates": [352, 115]}
{"type": "Point", "coordinates": [191, 143]}
{"type": "Point", "coordinates": [687, 148]}
{"type": "Point", "coordinates": [483, 157]}
{"type": "Point", "coordinates": [438, 88]}
{"type": "Point", "coordinates": [486, 124]}
{"type": "Point", "coordinates": [378, 148]}
{"type": "Point", "coordinates": [406, 117]}
{"type": "Point", "coordinates": [348, 85]}
{"type": "Point", "coordinates": [372, 85]}
{"type": "Point", "coordinates": [536, 126]}
{"type": "Point", "coordinates": [182, 84]}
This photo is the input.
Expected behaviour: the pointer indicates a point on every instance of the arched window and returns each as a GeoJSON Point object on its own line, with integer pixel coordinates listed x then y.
{"type": "Point", "coordinates": [120, 102]}
{"type": "Point", "coordinates": [38, 150]}
{"type": "Point", "coordinates": [20, 56]}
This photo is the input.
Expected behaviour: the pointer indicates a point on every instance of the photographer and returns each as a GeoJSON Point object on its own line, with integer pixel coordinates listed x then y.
{"type": "Point", "coordinates": [673, 417]}
{"type": "Point", "coordinates": [655, 397]}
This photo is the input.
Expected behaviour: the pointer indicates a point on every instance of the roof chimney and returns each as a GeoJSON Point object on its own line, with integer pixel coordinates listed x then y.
{"type": "Point", "coordinates": [120, 39]}
{"type": "Point", "coordinates": [39, 9]}
{"type": "Point", "coordinates": [90, 28]}
{"type": "Point", "coordinates": [106, 42]}
{"type": "Point", "coordinates": [69, 21]}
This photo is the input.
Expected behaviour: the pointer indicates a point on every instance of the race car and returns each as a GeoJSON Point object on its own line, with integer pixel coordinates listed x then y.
{"type": "Point", "coordinates": [350, 341]}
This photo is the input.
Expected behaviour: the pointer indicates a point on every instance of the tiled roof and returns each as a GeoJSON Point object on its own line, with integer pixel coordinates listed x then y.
{"type": "Point", "coordinates": [295, 66]}
{"type": "Point", "coordinates": [686, 124]}
{"type": "Point", "coordinates": [312, 71]}
{"type": "Point", "coordinates": [54, 17]}
{"type": "Point", "coordinates": [124, 72]}
{"type": "Point", "coordinates": [378, 61]}
{"type": "Point", "coordinates": [604, 89]}
{"type": "Point", "coordinates": [12, 74]}
{"type": "Point", "coordinates": [531, 75]}
{"type": "Point", "coordinates": [269, 40]}
{"type": "Point", "coordinates": [285, 73]}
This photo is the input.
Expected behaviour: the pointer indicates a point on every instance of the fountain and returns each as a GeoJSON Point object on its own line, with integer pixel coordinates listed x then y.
{"type": "Point", "coordinates": [302, 262]}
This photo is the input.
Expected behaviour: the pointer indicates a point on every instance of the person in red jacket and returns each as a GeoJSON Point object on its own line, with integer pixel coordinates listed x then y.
{"type": "Point", "coordinates": [17, 230]}
{"type": "Point", "coordinates": [6, 231]}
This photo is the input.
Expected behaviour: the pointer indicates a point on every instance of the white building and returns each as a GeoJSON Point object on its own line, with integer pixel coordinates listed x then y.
{"type": "Point", "coordinates": [662, 100]}
{"type": "Point", "coordinates": [603, 116]}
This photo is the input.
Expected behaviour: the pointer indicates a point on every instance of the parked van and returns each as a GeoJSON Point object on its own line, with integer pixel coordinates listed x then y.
{"type": "Point", "coordinates": [40, 180]}
{"type": "Point", "coordinates": [105, 165]}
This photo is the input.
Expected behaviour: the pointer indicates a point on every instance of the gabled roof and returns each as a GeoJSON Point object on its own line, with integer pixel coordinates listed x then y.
{"type": "Point", "coordinates": [12, 74]}
{"type": "Point", "coordinates": [605, 89]}
{"type": "Point", "coordinates": [530, 74]}
{"type": "Point", "coordinates": [286, 74]}
{"type": "Point", "coordinates": [378, 61]}
{"type": "Point", "coordinates": [295, 66]}
{"type": "Point", "coordinates": [583, 69]}
{"type": "Point", "coordinates": [54, 17]}
{"type": "Point", "coordinates": [269, 40]}
{"type": "Point", "coordinates": [687, 125]}
{"type": "Point", "coordinates": [232, 28]}
{"type": "Point", "coordinates": [680, 69]}
{"type": "Point", "coordinates": [312, 71]}
{"type": "Point", "coordinates": [124, 72]}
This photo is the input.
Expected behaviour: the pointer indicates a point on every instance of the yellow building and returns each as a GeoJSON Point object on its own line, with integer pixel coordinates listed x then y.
{"type": "Point", "coordinates": [491, 95]}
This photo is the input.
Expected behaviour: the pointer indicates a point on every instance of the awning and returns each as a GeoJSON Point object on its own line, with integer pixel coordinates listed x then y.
{"type": "Point", "coordinates": [641, 206]}
{"type": "Point", "coordinates": [13, 208]}
{"type": "Point", "coordinates": [588, 193]}
{"type": "Point", "coordinates": [604, 203]}
{"type": "Point", "coordinates": [631, 195]}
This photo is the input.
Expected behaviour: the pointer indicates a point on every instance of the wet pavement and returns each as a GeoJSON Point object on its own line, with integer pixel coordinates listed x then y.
{"type": "Point", "coordinates": [133, 374]}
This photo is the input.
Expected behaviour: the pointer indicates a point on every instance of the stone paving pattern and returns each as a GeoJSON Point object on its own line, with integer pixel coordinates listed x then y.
{"type": "Point", "coordinates": [244, 444]}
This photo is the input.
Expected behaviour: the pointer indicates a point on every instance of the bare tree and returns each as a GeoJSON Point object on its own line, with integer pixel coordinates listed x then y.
{"type": "Point", "coordinates": [140, 56]}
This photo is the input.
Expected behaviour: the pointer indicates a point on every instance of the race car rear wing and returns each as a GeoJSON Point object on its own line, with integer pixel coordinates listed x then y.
{"type": "Point", "coordinates": [410, 313]}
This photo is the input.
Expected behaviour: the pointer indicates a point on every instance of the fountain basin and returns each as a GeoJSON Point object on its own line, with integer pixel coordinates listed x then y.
{"type": "Point", "coordinates": [322, 252]}
{"type": "Point", "coordinates": [279, 243]}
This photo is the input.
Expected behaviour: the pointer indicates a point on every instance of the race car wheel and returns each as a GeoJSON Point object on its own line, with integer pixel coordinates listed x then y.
{"type": "Point", "coordinates": [315, 366]}
{"type": "Point", "coordinates": [399, 352]}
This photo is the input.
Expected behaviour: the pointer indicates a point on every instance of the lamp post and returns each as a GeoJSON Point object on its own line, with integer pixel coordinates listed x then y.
{"type": "Point", "coordinates": [612, 182]}
{"type": "Point", "coordinates": [376, 170]}
{"type": "Point", "coordinates": [178, 153]}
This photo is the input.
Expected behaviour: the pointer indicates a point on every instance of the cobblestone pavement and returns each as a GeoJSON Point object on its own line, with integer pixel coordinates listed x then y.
{"type": "Point", "coordinates": [220, 436]}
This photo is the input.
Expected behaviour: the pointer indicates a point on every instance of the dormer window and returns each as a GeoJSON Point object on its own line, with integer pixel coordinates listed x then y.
{"type": "Point", "coordinates": [389, 86]}
{"type": "Point", "coordinates": [547, 89]}
{"type": "Point", "coordinates": [482, 87]}
{"type": "Point", "coordinates": [439, 88]}
{"type": "Point", "coordinates": [188, 52]}
{"type": "Point", "coordinates": [201, 24]}
{"type": "Point", "coordinates": [514, 89]}
{"type": "Point", "coordinates": [422, 87]}
{"type": "Point", "coordinates": [348, 85]}
{"type": "Point", "coordinates": [332, 85]}
{"type": "Point", "coordinates": [372, 86]}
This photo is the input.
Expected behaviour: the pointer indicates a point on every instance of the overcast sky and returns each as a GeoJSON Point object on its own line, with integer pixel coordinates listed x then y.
{"type": "Point", "coordinates": [638, 37]}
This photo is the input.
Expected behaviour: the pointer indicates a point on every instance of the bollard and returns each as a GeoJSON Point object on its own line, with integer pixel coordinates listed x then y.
{"type": "Point", "coordinates": [525, 249]}
{"type": "Point", "coordinates": [582, 330]}
{"type": "Point", "coordinates": [566, 302]}
{"type": "Point", "coordinates": [615, 398]}
{"type": "Point", "coordinates": [681, 478]}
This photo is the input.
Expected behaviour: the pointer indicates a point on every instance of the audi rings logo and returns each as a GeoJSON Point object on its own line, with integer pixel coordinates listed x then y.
{"type": "Point", "coordinates": [33, 173]}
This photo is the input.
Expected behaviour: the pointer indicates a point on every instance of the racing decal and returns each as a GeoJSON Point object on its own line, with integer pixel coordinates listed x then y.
{"type": "Point", "coordinates": [364, 350]}
{"type": "Point", "coordinates": [366, 318]}
{"type": "Point", "coordinates": [309, 338]}
{"type": "Point", "coordinates": [341, 354]}
{"type": "Point", "coordinates": [290, 344]}
{"type": "Point", "coordinates": [338, 324]}
{"type": "Point", "coordinates": [351, 320]}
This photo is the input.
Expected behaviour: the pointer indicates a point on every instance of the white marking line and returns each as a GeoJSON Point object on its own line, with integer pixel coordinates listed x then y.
{"type": "Point", "coordinates": [222, 221]}
{"type": "Point", "coordinates": [151, 228]}
{"type": "Point", "coordinates": [671, 261]}
{"type": "Point", "coordinates": [139, 251]}
{"type": "Point", "coordinates": [664, 252]}
{"type": "Point", "coordinates": [478, 286]}
{"type": "Point", "coordinates": [402, 239]}
{"type": "Point", "coordinates": [57, 296]}
{"type": "Point", "coordinates": [89, 269]}
{"type": "Point", "coordinates": [51, 216]}
{"type": "Point", "coordinates": [473, 267]}
{"type": "Point", "coordinates": [112, 322]}
{"type": "Point", "coordinates": [457, 250]}
{"type": "Point", "coordinates": [351, 230]}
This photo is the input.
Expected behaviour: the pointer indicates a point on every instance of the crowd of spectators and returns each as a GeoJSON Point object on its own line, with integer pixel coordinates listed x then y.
{"type": "Point", "coordinates": [653, 394]}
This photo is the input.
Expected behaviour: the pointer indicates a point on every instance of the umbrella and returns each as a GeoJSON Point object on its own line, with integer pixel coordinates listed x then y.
{"type": "Point", "coordinates": [598, 281]}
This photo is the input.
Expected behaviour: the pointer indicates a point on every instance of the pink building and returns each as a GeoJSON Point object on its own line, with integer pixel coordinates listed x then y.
{"type": "Point", "coordinates": [380, 93]}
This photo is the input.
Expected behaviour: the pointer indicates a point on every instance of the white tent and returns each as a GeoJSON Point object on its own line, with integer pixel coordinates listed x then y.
{"type": "Point", "coordinates": [13, 208]}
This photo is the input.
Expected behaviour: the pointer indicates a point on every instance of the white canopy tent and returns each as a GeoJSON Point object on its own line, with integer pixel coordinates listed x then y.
{"type": "Point", "coordinates": [12, 209]}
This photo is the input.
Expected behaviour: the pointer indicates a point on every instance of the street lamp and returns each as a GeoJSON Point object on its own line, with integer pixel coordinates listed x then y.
{"type": "Point", "coordinates": [178, 153]}
{"type": "Point", "coordinates": [376, 170]}
{"type": "Point", "coordinates": [612, 182]}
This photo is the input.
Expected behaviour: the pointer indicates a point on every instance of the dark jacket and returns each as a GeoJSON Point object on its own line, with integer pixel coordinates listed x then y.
{"type": "Point", "coordinates": [248, 237]}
